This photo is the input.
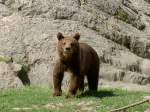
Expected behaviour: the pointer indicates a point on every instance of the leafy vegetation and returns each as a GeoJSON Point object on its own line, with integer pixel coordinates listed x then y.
{"type": "Point", "coordinates": [147, 1]}
{"type": "Point", "coordinates": [122, 15]}
{"type": "Point", "coordinates": [35, 99]}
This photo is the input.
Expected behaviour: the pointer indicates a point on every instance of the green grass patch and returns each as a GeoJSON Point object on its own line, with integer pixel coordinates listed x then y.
{"type": "Point", "coordinates": [35, 99]}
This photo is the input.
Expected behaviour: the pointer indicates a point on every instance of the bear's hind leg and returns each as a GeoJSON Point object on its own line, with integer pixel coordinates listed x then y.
{"type": "Point", "coordinates": [81, 85]}
{"type": "Point", "coordinates": [93, 78]}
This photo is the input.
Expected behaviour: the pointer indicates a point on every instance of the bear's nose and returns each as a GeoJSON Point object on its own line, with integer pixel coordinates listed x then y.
{"type": "Point", "coordinates": [67, 48]}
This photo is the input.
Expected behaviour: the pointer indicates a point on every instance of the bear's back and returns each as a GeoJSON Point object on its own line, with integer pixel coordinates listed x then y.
{"type": "Point", "coordinates": [88, 58]}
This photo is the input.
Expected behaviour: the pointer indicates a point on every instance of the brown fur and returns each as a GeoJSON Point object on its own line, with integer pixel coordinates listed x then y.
{"type": "Point", "coordinates": [80, 60]}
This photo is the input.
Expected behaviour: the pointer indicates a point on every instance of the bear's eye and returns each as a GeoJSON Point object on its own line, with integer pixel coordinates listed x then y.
{"type": "Point", "coordinates": [72, 44]}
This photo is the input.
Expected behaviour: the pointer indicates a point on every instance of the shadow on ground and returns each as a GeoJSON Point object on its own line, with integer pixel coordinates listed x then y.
{"type": "Point", "coordinates": [98, 94]}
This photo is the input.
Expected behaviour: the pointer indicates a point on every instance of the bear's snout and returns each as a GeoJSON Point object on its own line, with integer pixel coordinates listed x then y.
{"type": "Point", "coordinates": [67, 49]}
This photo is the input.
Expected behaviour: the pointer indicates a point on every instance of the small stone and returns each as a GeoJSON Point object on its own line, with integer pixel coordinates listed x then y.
{"type": "Point", "coordinates": [148, 110]}
{"type": "Point", "coordinates": [25, 108]}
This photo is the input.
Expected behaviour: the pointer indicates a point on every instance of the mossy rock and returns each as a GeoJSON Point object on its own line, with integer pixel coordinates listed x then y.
{"type": "Point", "coordinates": [5, 59]}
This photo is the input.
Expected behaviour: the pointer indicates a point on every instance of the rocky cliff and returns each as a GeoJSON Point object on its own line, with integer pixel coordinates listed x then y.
{"type": "Point", "coordinates": [119, 30]}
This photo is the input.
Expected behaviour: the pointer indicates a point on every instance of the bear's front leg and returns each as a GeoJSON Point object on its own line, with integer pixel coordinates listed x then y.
{"type": "Point", "coordinates": [74, 85]}
{"type": "Point", "coordinates": [58, 75]}
{"type": "Point", "coordinates": [57, 79]}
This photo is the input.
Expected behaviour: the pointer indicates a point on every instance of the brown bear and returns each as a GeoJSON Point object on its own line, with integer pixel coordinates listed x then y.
{"type": "Point", "coordinates": [80, 60]}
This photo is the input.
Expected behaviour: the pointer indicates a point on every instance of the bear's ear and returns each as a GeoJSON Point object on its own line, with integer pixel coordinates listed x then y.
{"type": "Point", "coordinates": [60, 36]}
{"type": "Point", "coordinates": [76, 36]}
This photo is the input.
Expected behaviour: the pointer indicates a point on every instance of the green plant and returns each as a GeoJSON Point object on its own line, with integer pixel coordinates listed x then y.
{"type": "Point", "coordinates": [122, 15]}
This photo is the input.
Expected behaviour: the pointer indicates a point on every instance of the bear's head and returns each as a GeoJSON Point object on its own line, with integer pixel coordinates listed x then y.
{"type": "Point", "coordinates": [68, 46]}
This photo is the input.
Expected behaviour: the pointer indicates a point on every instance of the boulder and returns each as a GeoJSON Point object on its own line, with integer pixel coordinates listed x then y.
{"type": "Point", "coordinates": [4, 11]}
{"type": "Point", "coordinates": [145, 66]}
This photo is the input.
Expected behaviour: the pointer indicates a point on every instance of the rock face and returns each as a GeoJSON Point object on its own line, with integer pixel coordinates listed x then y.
{"type": "Point", "coordinates": [117, 29]}
{"type": "Point", "coordinates": [8, 75]}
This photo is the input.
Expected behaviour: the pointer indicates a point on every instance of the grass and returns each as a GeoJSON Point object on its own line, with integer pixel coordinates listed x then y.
{"type": "Point", "coordinates": [35, 99]}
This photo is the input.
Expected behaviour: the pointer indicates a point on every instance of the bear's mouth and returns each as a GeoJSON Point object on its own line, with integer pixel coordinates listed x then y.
{"type": "Point", "coordinates": [67, 52]}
